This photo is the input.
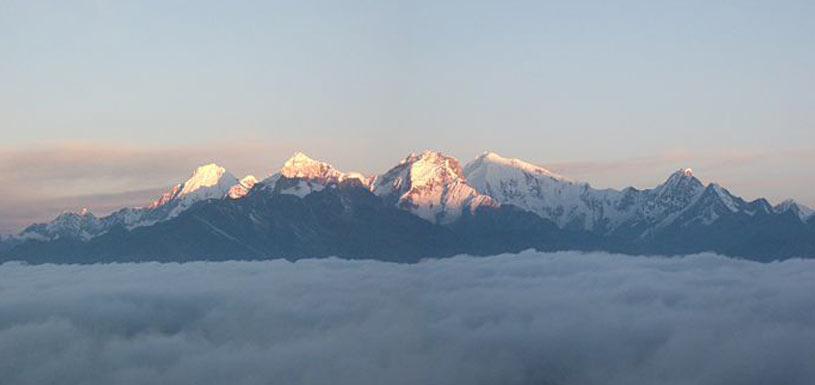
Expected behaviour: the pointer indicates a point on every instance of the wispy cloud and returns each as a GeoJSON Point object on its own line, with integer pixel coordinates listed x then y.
{"type": "Point", "coordinates": [671, 160]}
{"type": "Point", "coordinates": [113, 167]}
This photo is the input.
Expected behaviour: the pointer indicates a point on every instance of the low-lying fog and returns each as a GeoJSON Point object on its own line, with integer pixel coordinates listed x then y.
{"type": "Point", "coordinates": [533, 318]}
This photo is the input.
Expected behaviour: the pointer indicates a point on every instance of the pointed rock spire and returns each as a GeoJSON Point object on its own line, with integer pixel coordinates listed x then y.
{"type": "Point", "coordinates": [681, 182]}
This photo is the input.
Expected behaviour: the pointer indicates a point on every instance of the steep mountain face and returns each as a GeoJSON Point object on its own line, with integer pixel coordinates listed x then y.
{"type": "Point", "coordinates": [681, 215]}
{"type": "Point", "coordinates": [533, 188]}
{"type": "Point", "coordinates": [801, 211]}
{"type": "Point", "coordinates": [207, 182]}
{"type": "Point", "coordinates": [7, 243]}
{"type": "Point", "coordinates": [240, 190]}
{"type": "Point", "coordinates": [638, 213]}
{"type": "Point", "coordinates": [426, 206]}
{"type": "Point", "coordinates": [721, 222]}
{"type": "Point", "coordinates": [678, 192]}
{"type": "Point", "coordinates": [302, 175]}
{"type": "Point", "coordinates": [344, 220]}
{"type": "Point", "coordinates": [713, 203]}
{"type": "Point", "coordinates": [626, 213]}
{"type": "Point", "coordinates": [430, 185]}
{"type": "Point", "coordinates": [80, 225]}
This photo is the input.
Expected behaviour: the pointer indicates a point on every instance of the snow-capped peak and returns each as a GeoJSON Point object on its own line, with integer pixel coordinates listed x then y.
{"type": "Point", "coordinates": [302, 166]}
{"type": "Point", "coordinates": [802, 211]}
{"type": "Point", "coordinates": [209, 181]}
{"type": "Point", "coordinates": [536, 189]}
{"type": "Point", "coordinates": [681, 182]}
{"type": "Point", "coordinates": [431, 166]}
{"type": "Point", "coordinates": [205, 176]}
{"type": "Point", "coordinates": [431, 185]}
{"type": "Point", "coordinates": [418, 171]}
{"type": "Point", "coordinates": [242, 188]}
{"type": "Point", "coordinates": [248, 181]}
{"type": "Point", "coordinates": [305, 175]}
{"type": "Point", "coordinates": [491, 159]}
{"type": "Point", "coordinates": [682, 173]}
{"type": "Point", "coordinates": [81, 213]}
{"type": "Point", "coordinates": [80, 224]}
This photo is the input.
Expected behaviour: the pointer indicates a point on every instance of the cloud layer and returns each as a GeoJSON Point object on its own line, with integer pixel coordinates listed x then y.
{"type": "Point", "coordinates": [533, 318]}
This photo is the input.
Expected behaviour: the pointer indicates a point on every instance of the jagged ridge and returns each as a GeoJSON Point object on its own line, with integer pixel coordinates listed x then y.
{"type": "Point", "coordinates": [492, 196]}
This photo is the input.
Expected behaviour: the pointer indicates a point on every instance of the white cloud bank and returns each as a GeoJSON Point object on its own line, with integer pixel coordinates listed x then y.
{"type": "Point", "coordinates": [533, 318]}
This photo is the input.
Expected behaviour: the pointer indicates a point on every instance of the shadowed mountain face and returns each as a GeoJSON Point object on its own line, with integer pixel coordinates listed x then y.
{"type": "Point", "coordinates": [427, 206]}
{"type": "Point", "coordinates": [344, 220]}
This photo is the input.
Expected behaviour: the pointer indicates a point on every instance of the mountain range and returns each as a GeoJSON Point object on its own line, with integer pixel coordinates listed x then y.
{"type": "Point", "coordinates": [428, 205]}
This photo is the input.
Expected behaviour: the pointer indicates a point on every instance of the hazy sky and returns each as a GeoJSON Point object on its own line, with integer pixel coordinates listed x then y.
{"type": "Point", "coordinates": [120, 99]}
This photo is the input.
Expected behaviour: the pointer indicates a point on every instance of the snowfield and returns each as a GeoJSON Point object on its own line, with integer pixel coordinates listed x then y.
{"type": "Point", "coordinates": [532, 318]}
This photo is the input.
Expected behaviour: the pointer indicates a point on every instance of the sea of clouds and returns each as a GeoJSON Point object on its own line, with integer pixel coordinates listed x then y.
{"type": "Point", "coordinates": [532, 318]}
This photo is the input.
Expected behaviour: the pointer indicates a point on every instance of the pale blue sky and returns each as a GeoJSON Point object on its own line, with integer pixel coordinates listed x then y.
{"type": "Point", "coordinates": [615, 94]}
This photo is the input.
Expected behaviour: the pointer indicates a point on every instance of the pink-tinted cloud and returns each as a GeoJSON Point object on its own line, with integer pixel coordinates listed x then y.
{"type": "Point", "coordinates": [76, 169]}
